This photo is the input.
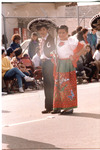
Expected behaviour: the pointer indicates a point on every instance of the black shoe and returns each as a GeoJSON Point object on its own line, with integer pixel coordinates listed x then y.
{"type": "Point", "coordinates": [46, 111]}
{"type": "Point", "coordinates": [55, 111]}
{"type": "Point", "coordinates": [67, 112]}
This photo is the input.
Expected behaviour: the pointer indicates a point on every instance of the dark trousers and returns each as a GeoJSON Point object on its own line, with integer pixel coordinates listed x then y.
{"type": "Point", "coordinates": [47, 71]}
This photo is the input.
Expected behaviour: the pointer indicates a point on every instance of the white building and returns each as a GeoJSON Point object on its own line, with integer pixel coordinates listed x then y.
{"type": "Point", "coordinates": [18, 15]}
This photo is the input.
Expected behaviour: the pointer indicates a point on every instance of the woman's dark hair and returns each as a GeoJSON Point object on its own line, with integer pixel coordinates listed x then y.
{"type": "Point", "coordinates": [63, 27]}
{"type": "Point", "coordinates": [98, 46]}
{"type": "Point", "coordinates": [88, 55]}
{"type": "Point", "coordinates": [9, 51]}
{"type": "Point", "coordinates": [26, 55]}
{"type": "Point", "coordinates": [80, 36]}
{"type": "Point", "coordinates": [78, 29]}
{"type": "Point", "coordinates": [15, 37]}
{"type": "Point", "coordinates": [40, 26]}
{"type": "Point", "coordinates": [84, 30]}
{"type": "Point", "coordinates": [88, 45]}
{"type": "Point", "coordinates": [18, 51]}
{"type": "Point", "coordinates": [3, 50]}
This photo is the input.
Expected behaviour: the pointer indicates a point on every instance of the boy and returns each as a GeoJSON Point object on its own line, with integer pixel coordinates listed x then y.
{"type": "Point", "coordinates": [47, 45]}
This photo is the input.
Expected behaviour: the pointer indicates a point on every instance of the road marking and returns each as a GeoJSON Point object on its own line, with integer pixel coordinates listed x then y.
{"type": "Point", "coordinates": [37, 120]}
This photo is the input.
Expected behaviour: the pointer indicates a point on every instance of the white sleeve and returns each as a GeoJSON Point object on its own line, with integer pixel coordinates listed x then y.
{"type": "Point", "coordinates": [33, 59]}
{"type": "Point", "coordinates": [73, 42]}
{"type": "Point", "coordinates": [96, 55]}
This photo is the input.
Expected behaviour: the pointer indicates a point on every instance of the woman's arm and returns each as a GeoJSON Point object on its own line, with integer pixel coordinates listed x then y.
{"type": "Point", "coordinates": [78, 51]}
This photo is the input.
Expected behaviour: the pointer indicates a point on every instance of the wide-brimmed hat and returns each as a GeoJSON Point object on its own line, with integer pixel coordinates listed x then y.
{"type": "Point", "coordinates": [95, 21]}
{"type": "Point", "coordinates": [34, 24]}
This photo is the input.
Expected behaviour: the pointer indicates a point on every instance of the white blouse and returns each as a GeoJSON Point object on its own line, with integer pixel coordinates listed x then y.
{"type": "Point", "coordinates": [65, 48]}
{"type": "Point", "coordinates": [96, 55]}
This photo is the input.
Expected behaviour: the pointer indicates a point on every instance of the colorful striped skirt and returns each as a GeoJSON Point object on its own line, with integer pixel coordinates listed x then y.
{"type": "Point", "coordinates": [65, 86]}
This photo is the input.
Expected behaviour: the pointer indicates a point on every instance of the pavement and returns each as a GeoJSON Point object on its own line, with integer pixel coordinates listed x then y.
{"type": "Point", "coordinates": [24, 127]}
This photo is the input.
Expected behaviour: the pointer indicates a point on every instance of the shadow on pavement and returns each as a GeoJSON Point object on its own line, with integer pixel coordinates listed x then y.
{"type": "Point", "coordinates": [17, 143]}
{"type": "Point", "coordinates": [87, 115]}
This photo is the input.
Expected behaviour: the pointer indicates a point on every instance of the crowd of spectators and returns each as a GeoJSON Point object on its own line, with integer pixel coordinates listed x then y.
{"type": "Point", "coordinates": [89, 64]}
{"type": "Point", "coordinates": [17, 66]}
{"type": "Point", "coordinates": [23, 66]}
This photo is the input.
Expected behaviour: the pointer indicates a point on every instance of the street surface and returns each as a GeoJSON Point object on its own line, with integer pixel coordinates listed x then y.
{"type": "Point", "coordinates": [24, 127]}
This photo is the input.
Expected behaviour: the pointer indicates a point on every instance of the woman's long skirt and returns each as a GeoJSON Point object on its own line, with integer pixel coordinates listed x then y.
{"type": "Point", "coordinates": [65, 86]}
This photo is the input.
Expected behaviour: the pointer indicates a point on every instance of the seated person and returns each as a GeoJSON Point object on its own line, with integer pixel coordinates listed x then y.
{"type": "Point", "coordinates": [88, 67]}
{"type": "Point", "coordinates": [96, 64]}
{"type": "Point", "coordinates": [84, 64]}
{"type": "Point", "coordinates": [16, 61]}
{"type": "Point", "coordinates": [88, 55]}
{"type": "Point", "coordinates": [10, 53]}
{"type": "Point", "coordinates": [96, 55]}
{"type": "Point", "coordinates": [8, 72]}
{"type": "Point", "coordinates": [28, 63]}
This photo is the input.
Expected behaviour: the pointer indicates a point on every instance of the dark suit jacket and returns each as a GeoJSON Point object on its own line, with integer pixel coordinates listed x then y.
{"type": "Point", "coordinates": [49, 46]}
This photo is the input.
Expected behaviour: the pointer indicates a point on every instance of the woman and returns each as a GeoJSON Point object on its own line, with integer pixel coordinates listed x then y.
{"type": "Point", "coordinates": [15, 41]}
{"type": "Point", "coordinates": [65, 87]}
{"type": "Point", "coordinates": [33, 44]}
{"type": "Point", "coordinates": [82, 36]}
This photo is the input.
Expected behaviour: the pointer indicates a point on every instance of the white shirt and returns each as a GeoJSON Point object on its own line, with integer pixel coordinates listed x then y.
{"type": "Point", "coordinates": [96, 55]}
{"type": "Point", "coordinates": [36, 60]}
{"type": "Point", "coordinates": [67, 48]}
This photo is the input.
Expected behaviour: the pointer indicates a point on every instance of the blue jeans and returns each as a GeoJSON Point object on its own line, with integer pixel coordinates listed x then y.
{"type": "Point", "coordinates": [15, 72]}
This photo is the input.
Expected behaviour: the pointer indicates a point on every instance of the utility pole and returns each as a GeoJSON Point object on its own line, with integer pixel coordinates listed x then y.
{"type": "Point", "coordinates": [78, 15]}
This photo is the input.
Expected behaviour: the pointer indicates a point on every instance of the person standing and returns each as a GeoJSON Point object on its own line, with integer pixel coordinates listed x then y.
{"type": "Point", "coordinates": [33, 44]}
{"type": "Point", "coordinates": [82, 36]}
{"type": "Point", "coordinates": [15, 41]}
{"type": "Point", "coordinates": [47, 45]}
{"type": "Point", "coordinates": [65, 85]}
{"type": "Point", "coordinates": [92, 39]}
{"type": "Point", "coordinates": [84, 33]}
